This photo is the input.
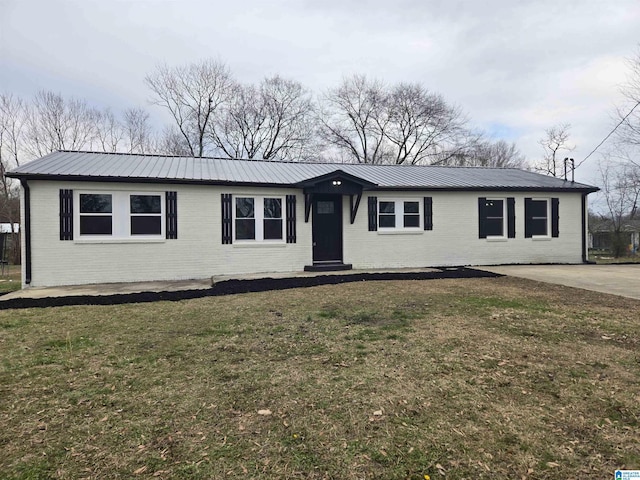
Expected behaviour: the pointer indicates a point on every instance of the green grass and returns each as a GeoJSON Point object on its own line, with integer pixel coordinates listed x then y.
{"type": "Point", "coordinates": [11, 280]}
{"type": "Point", "coordinates": [485, 378]}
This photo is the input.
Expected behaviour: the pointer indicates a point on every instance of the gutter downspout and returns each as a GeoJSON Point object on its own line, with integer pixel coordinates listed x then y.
{"type": "Point", "coordinates": [26, 231]}
{"type": "Point", "coordinates": [584, 229]}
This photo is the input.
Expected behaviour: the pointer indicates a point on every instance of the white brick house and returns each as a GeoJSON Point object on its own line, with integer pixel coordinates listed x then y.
{"type": "Point", "coordinates": [97, 218]}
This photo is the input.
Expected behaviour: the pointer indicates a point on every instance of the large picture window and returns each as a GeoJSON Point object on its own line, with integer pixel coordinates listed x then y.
{"type": "Point", "coordinates": [258, 218]}
{"type": "Point", "coordinates": [398, 215]}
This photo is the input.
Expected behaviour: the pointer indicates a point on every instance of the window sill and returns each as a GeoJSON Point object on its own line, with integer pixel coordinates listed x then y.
{"type": "Point", "coordinates": [401, 232]}
{"type": "Point", "coordinates": [497, 239]}
{"type": "Point", "coordinates": [119, 240]}
{"type": "Point", "coordinates": [259, 244]}
{"type": "Point", "coordinates": [541, 238]}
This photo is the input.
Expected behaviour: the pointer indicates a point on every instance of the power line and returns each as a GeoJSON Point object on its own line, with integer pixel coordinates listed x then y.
{"type": "Point", "coordinates": [609, 134]}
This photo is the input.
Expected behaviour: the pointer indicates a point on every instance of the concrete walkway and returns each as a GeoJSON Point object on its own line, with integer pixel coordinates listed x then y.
{"type": "Point", "coordinates": [623, 280]}
{"type": "Point", "coordinates": [103, 289]}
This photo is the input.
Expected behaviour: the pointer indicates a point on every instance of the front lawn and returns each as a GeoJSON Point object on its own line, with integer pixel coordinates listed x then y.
{"type": "Point", "coordinates": [482, 378]}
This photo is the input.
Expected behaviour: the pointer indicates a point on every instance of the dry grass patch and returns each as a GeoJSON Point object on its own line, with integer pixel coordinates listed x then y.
{"type": "Point", "coordinates": [484, 378]}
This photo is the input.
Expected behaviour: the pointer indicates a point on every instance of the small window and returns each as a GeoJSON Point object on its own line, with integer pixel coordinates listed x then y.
{"type": "Point", "coordinates": [494, 218]}
{"type": "Point", "coordinates": [537, 212]}
{"type": "Point", "coordinates": [325, 208]}
{"type": "Point", "coordinates": [273, 219]}
{"type": "Point", "coordinates": [146, 214]}
{"type": "Point", "coordinates": [539, 217]}
{"type": "Point", "coordinates": [245, 219]}
{"type": "Point", "coordinates": [96, 214]}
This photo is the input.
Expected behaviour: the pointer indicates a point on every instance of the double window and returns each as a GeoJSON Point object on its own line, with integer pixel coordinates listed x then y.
{"type": "Point", "coordinates": [120, 215]}
{"type": "Point", "coordinates": [258, 218]}
{"type": "Point", "coordinates": [399, 215]}
{"type": "Point", "coordinates": [497, 217]}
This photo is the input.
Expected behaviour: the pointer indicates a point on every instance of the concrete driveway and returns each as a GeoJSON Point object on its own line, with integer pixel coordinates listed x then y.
{"type": "Point", "coordinates": [623, 280]}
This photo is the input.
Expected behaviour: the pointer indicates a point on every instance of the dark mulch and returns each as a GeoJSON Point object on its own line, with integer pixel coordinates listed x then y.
{"type": "Point", "coordinates": [230, 287]}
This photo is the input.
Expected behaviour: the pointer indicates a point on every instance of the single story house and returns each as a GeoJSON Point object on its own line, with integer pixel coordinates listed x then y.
{"type": "Point", "coordinates": [107, 217]}
{"type": "Point", "coordinates": [602, 236]}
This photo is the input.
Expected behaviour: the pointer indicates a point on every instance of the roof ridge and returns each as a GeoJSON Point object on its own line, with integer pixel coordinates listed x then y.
{"type": "Point", "coordinates": [314, 162]}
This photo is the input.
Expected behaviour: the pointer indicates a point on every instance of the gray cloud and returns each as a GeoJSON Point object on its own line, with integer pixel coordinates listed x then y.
{"type": "Point", "coordinates": [516, 67]}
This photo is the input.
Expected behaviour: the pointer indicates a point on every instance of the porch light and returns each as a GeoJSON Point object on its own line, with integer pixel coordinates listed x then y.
{"type": "Point", "coordinates": [337, 182]}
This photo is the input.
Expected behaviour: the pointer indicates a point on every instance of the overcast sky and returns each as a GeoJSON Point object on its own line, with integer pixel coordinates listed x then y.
{"type": "Point", "coordinates": [516, 67]}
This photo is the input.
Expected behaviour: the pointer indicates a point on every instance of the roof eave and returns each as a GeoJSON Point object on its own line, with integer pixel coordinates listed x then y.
{"type": "Point", "coordinates": [187, 181]}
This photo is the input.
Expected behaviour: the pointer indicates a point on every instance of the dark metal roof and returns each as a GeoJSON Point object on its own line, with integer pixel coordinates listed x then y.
{"type": "Point", "coordinates": [93, 166]}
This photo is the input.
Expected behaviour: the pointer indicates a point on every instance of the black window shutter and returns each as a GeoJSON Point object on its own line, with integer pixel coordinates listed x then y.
{"type": "Point", "coordinates": [66, 214]}
{"type": "Point", "coordinates": [373, 214]}
{"type": "Point", "coordinates": [291, 219]}
{"type": "Point", "coordinates": [511, 217]}
{"type": "Point", "coordinates": [555, 217]}
{"type": "Point", "coordinates": [527, 218]}
{"type": "Point", "coordinates": [171, 212]}
{"type": "Point", "coordinates": [227, 219]}
{"type": "Point", "coordinates": [428, 213]}
{"type": "Point", "coordinates": [482, 216]}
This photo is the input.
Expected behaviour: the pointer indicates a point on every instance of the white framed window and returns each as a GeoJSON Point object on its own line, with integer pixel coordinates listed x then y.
{"type": "Point", "coordinates": [258, 219]}
{"type": "Point", "coordinates": [399, 214]}
{"type": "Point", "coordinates": [120, 215]}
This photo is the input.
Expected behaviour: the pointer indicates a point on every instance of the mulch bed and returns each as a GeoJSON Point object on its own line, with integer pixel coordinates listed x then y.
{"type": "Point", "coordinates": [231, 287]}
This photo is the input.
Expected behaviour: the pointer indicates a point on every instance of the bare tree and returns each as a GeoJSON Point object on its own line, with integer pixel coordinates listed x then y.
{"type": "Point", "coordinates": [270, 121]}
{"type": "Point", "coordinates": [137, 131]}
{"type": "Point", "coordinates": [555, 141]}
{"type": "Point", "coordinates": [620, 184]}
{"type": "Point", "coordinates": [55, 123]}
{"type": "Point", "coordinates": [171, 142]}
{"type": "Point", "coordinates": [404, 124]}
{"type": "Point", "coordinates": [421, 126]}
{"type": "Point", "coordinates": [108, 131]}
{"type": "Point", "coordinates": [481, 152]}
{"type": "Point", "coordinates": [353, 119]}
{"type": "Point", "coordinates": [12, 119]}
{"type": "Point", "coordinates": [629, 114]}
{"type": "Point", "coordinates": [193, 95]}
{"type": "Point", "coordinates": [13, 112]}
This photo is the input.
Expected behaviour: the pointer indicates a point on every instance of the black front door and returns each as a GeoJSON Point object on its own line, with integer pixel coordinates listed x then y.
{"type": "Point", "coordinates": [327, 228]}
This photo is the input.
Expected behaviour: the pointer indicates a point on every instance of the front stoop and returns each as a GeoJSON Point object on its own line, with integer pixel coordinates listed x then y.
{"type": "Point", "coordinates": [328, 267]}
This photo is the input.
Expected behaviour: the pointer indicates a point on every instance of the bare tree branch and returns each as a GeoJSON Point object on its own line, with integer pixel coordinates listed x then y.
{"type": "Point", "coordinates": [555, 141]}
{"type": "Point", "coordinates": [193, 95]}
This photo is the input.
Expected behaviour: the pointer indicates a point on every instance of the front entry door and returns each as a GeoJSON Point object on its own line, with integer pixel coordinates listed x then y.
{"type": "Point", "coordinates": [327, 228]}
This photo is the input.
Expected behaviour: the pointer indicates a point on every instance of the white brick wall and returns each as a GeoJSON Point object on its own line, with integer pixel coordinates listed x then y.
{"type": "Point", "coordinates": [454, 238]}
{"type": "Point", "coordinates": [199, 253]}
